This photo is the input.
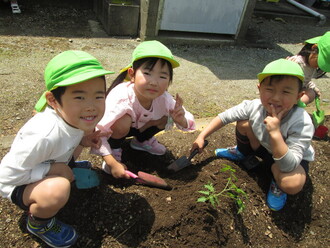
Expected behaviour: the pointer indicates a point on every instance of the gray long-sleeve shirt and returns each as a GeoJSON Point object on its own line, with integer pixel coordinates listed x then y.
{"type": "Point", "coordinates": [296, 128]}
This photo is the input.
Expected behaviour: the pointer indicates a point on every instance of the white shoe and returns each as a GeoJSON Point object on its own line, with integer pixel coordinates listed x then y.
{"type": "Point", "coordinates": [15, 8]}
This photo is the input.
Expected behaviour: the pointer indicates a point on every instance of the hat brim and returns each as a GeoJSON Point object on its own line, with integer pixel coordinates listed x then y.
{"type": "Point", "coordinates": [173, 62]}
{"type": "Point", "coordinates": [262, 76]}
{"type": "Point", "coordinates": [41, 104]}
{"type": "Point", "coordinates": [314, 40]}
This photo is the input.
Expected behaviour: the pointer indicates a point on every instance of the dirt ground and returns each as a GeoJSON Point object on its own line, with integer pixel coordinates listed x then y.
{"type": "Point", "coordinates": [120, 213]}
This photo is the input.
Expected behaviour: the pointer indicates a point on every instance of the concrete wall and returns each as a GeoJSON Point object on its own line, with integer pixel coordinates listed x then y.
{"type": "Point", "coordinates": [149, 27]}
{"type": "Point", "coordinates": [118, 19]}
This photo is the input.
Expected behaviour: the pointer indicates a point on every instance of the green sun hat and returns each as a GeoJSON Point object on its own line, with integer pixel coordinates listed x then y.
{"type": "Point", "coordinates": [152, 48]}
{"type": "Point", "coordinates": [281, 67]}
{"type": "Point", "coordinates": [323, 44]}
{"type": "Point", "coordinates": [323, 59]}
{"type": "Point", "coordinates": [68, 68]}
{"type": "Point", "coordinates": [313, 40]}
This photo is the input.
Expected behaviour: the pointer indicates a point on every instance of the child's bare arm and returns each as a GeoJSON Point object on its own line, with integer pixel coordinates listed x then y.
{"type": "Point", "coordinates": [213, 126]}
{"type": "Point", "coordinates": [117, 169]}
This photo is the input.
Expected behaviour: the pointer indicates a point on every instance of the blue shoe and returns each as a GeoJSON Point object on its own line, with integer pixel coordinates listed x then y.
{"type": "Point", "coordinates": [55, 233]}
{"type": "Point", "coordinates": [276, 198]}
{"type": "Point", "coordinates": [231, 153]}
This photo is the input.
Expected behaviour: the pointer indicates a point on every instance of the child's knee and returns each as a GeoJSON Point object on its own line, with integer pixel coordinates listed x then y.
{"type": "Point", "coordinates": [291, 182]}
{"type": "Point", "coordinates": [244, 127]}
{"type": "Point", "coordinates": [242, 124]}
{"type": "Point", "coordinates": [121, 127]}
{"type": "Point", "coordinates": [56, 192]}
{"type": "Point", "coordinates": [292, 186]}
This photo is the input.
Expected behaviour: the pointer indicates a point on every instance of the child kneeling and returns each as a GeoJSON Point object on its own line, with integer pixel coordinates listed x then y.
{"type": "Point", "coordinates": [273, 128]}
{"type": "Point", "coordinates": [35, 173]}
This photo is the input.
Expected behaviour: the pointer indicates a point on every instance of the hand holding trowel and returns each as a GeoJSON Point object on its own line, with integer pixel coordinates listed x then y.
{"type": "Point", "coordinates": [183, 162]}
{"type": "Point", "coordinates": [318, 115]}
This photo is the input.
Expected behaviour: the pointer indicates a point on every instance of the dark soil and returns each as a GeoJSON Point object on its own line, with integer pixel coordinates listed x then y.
{"type": "Point", "coordinates": [120, 213]}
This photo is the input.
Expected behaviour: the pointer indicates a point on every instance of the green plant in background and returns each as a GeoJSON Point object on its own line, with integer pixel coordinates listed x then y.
{"type": "Point", "coordinates": [230, 190]}
{"type": "Point", "coordinates": [122, 2]}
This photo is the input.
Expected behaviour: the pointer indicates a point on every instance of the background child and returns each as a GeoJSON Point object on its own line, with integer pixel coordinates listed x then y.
{"type": "Point", "coordinates": [141, 107]}
{"type": "Point", "coordinates": [35, 174]}
{"type": "Point", "coordinates": [315, 54]}
{"type": "Point", "coordinates": [272, 128]}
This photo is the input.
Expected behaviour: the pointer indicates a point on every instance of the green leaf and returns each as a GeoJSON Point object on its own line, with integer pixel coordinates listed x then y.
{"type": "Point", "coordinates": [225, 168]}
{"type": "Point", "coordinates": [204, 192]}
{"type": "Point", "coordinates": [231, 195]}
{"type": "Point", "coordinates": [240, 191]}
{"type": "Point", "coordinates": [202, 199]}
{"type": "Point", "coordinates": [241, 205]}
{"type": "Point", "coordinates": [212, 201]}
{"type": "Point", "coordinates": [217, 201]}
{"type": "Point", "coordinates": [209, 187]}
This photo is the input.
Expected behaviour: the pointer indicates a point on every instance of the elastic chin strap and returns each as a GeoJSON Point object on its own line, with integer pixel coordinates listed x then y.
{"type": "Point", "coordinates": [60, 111]}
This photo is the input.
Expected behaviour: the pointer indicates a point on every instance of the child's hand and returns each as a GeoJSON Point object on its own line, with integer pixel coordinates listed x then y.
{"type": "Point", "coordinates": [93, 140]}
{"type": "Point", "coordinates": [177, 113]}
{"type": "Point", "coordinates": [317, 92]}
{"type": "Point", "coordinates": [273, 121]}
{"type": "Point", "coordinates": [198, 143]}
{"type": "Point", "coordinates": [118, 171]}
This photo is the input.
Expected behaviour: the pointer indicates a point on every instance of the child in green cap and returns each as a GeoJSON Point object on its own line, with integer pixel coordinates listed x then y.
{"type": "Point", "coordinates": [315, 54]}
{"type": "Point", "coordinates": [272, 128]}
{"type": "Point", "coordinates": [35, 174]}
{"type": "Point", "coordinates": [141, 107]}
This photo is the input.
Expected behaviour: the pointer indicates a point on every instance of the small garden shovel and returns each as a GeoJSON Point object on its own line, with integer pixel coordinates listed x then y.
{"type": "Point", "coordinates": [183, 162]}
{"type": "Point", "coordinates": [318, 115]}
{"type": "Point", "coordinates": [148, 179]}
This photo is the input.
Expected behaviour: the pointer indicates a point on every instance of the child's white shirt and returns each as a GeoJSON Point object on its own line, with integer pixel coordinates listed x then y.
{"type": "Point", "coordinates": [46, 138]}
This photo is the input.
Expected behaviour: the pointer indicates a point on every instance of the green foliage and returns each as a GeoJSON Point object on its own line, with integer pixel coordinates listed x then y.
{"type": "Point", "coordinates": [122, 2]}
{"type": "Point", "coordinates": [230, 190]}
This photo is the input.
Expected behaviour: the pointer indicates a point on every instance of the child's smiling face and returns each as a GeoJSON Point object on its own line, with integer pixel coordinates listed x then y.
{"type": "Point", "coordinates": [283, 93]}
{"type": "Point", "coordinates": [82, 105]}
{"type": "Point", "coordinates": [150, 83]}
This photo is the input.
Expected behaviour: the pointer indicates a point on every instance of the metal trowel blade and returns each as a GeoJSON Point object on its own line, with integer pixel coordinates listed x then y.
{"type": "Point", "coordinates": [179, 164]}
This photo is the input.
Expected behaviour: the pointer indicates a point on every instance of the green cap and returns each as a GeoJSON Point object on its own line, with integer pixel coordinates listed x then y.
{"type": "Point", "coordinates": [68, 68]}
{"type": "Point", "coordinates": [152, 48]}
{"type": "Point", "coordinates": [282, 67]}
{"type": "Point", "coordinates": [323, 44]}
